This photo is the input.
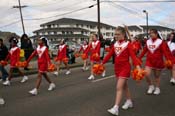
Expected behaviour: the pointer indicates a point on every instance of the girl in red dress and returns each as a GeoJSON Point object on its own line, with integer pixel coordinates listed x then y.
{"type": "Point", "coordinates": [62, 54]}
{"type": "Point", "coordinates": [84, 49]}
{"type": "Point", "coordinates": [155, 49]}
{"type": "Point", "coordinates": [43, 62]}
{"type": "Point", "coordinates": [14, 57]}
{"type": "Point", "coordinates": [94, 49]}
{"type": "Point", "coordinates": [122, 49]}
{"type": "Point", "coordinates": [171, 45]}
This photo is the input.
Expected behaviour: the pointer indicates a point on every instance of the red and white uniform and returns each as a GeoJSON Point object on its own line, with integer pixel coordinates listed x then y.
{"type": "Point", "coordinates": [62, 52]}
{"type": "Point", "coordinates": [94, 48]}
{"type": "Point", "coordinates": [123, 51]}
{"type": "Point", "coordinates": [14, 56]}
{"type": "Point", "coordinates": [136, 46]}
{"type": "Point", "coordinates": [84, 49]}
{"type": "Point", "coordinates": [171, 46]}
{"type": "Point", "coordinates": [43, 58]}
{"type": "Point", "coordinates": [156, 49]}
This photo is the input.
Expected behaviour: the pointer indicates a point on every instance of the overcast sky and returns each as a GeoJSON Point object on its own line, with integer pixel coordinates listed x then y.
{"type": "Point", "coordinates": [113, 13]}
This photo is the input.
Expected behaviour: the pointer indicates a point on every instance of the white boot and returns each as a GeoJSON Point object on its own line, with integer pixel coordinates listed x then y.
{"type": "Point", "coordinates": [6, 83]}
{"type": "Point", "coordinates": [172, 81]}
{"type": "Point", "coordinates": [91, 77]}
{"type": "Point", "coordinates": [34, 91]}
{"type": "Point", "coordinates": [68, 72]}
{"type": "Point", "coordinates": [51, 87]}
{"type": "Point", "coordinates": [114, 110]}
{"type": "Point", "coordinates": [2, 102]}
{"type": "Point", "coordinates": [56, 73]}
{"type": "Point", "coordinates": [127, 104]}
{"type": "Point", "coordinates": [103, 74]}
{"type": "Point", "coordinates": [24, 79]}
{"type": "Point", "coordinates": [150, 89]}
{"type": "Point", "coordinates": [157, 91]}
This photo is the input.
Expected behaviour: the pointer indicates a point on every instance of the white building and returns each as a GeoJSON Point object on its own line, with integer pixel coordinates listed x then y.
{"type": "Point", "coordinates": [72, 30]}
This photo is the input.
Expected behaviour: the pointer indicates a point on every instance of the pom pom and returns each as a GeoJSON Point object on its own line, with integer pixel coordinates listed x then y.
{"type": "Point", "coordinates": [138, 75]}
{"type": "Point", "coordinates": [98, 69]}
{"type": "Point", "coordinates": [3, 63]}
{"type": "Point", "coordinates": [168, 64]}
{"type": "Point", "coordinates": [84, 56]}
{"type": "Point", "coordinates": [21, 64]}
{"type": "Point", "coordinates": [107, 49]}
{"type": "Point", "coordinates": [51, 68]}
{"type": "Point", "coordinates": [77, 55]}
{"type": "Point", "coordinates": [96, 57]}
{"type": "Point", "coordinates": [65, 60]}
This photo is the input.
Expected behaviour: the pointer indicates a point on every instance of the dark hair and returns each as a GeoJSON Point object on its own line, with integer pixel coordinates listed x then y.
{"type": "Point", "coordinates": [173, 40]}
{"type": "Point", "coordinates": [45, 41]}
{"type": "Point", "coordinates": [24, 36]}
{"type": "Point", "coordinates": [14, 39]}
{"type": "Point", "coordinates": [123, 31]}
{"type": "Point", "coordinates": [1, 40]}
{"type": "Point", "coordinates": [156, 32]}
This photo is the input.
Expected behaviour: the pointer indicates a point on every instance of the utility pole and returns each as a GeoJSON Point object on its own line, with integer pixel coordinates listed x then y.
{"type": "Point", "coordinates": [20, 10]}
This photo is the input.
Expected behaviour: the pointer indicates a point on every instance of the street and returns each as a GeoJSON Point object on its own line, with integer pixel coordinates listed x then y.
{"type": "Point", "coordinates": [75, 95]}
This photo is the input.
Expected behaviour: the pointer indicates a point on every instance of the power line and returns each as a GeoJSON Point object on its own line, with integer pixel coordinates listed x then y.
{"type": "Point", "coordinates": [140, 1]}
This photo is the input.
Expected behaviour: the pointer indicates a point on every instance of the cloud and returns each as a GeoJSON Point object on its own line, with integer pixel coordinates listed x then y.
{"type": "Point", "coordinates": [114, 14]}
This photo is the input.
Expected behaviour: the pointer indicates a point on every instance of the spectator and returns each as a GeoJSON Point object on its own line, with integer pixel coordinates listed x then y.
{"type": "Point", "coordinates": [26, 45]}
{"type": "Point", "coordinates": [3, 55]}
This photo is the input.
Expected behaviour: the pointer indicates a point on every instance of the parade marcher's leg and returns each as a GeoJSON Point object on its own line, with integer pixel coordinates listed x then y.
{"type": "Point", "coordinates": [92, 74]}
{"type": "Point", "coordinates": [25, 78]}
{"type": "Point", "coordinates": [119, 92]}
{"type": "Point", "coordinates": [172, 81]}
{"type": "Point", "coordinates": [157, 81]}
{"type": "Point", "coordinates": [52, 85]}
{"type": "Point", "coordinates": [58, 68]}
{"type": "Point", "coordinates": [150, 84]}
{"type": "Point", "coordinates": [128, 103]}
{"type": "Point", "coordinates": [38, 82]}
{"type": "Point", "coordinates": [68, 69]}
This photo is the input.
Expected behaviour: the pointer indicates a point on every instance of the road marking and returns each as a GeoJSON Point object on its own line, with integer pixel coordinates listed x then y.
{"type": "Point", "coordinates": [105, 78]}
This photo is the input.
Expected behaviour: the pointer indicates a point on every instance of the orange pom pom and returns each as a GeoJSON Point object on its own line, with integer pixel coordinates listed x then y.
{"type": "Point", "coordinates": [95, 57]}
{"type": "Point", "coordinates": [55, 59]}
{"type": "Point", "coordinates": [138, 75]}
{"type": "Point", "coordinates": [98, 69]}
{"type": "Point", "coordinates": [21, 64]}
{"type": "Point", "coordinates": [51, 68]}
{"type": "Point", "coordinates": [65, 60]}
{"type": "Point", "coordinates": [107, 49]}
{"type": "Point", "coordinates": [168, 64]}
{"type": "Point", "coordinates": [84, 56]}
{"type": "Point", "coordinates": [77, 55]}
{"type": "Point", "coordinates": [3, 63]}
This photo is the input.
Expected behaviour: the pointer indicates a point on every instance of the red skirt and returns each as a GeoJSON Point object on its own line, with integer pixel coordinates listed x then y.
{"type": "Point", "coordinates": [122, 70]}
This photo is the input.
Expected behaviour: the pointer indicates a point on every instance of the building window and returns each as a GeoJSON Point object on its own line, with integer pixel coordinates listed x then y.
{"type": "Point", "coordinates": [63, 32]}
{"type": "Point", "coordinates": [77, 25]}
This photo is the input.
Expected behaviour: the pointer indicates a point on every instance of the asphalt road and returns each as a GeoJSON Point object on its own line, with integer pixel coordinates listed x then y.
{"type": "Point", "coordinates": [75, 95]}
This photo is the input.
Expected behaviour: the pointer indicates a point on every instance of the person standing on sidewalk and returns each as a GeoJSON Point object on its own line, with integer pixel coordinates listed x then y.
{"type": "Point", "coordinates": [3, 55]}
{"type": "Point", "coordinates": [26, 45]}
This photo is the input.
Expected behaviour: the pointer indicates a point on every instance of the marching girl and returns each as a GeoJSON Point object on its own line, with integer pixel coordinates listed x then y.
{"type": "Point", "coordinates": [62, 54]}
{"type": "Point", "coordinates": [84, 49]}
{"type": "Point", "coordinates": [171, 45]}
{"type": "Point", "coordinates": [14, 57]}
{"type": "Point", "coordinates": [122, 49]}
{"type": "Point", "coordinates": [136, 45]}
{"type": "Point", "coordinates": [43, 62]}
{"type": "Point", "coordinates": [94, 49]}
{"type": "Point", "coordinates": [155, 49]}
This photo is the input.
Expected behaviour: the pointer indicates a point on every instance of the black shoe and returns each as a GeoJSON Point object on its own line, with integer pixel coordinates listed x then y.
{"type": "Point", "coordinates": [26, 69]}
